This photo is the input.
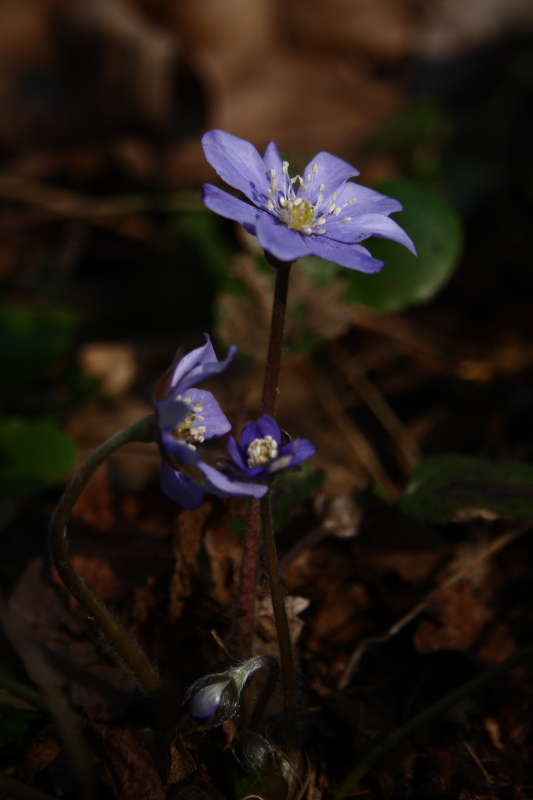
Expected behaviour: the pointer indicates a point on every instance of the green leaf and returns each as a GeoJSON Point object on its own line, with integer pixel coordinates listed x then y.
{"type": "Point", "coordinates": [31, 343]}
{"type": "Point", "coordinates": [34, 455]}
{"type": "Point", "coordinates": [406, 280]}
{"type": "Point", "coordinates": [291, 489]}
{"type": "Point", "coordinates": [454, 488]}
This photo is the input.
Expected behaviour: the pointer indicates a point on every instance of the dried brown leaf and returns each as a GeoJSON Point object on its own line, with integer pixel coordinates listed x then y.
{"type": "Point", "coordinates": [461, 616]}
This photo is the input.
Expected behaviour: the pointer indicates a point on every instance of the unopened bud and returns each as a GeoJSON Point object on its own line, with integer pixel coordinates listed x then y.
{"type": "Point", "coordinates": [215, 698]}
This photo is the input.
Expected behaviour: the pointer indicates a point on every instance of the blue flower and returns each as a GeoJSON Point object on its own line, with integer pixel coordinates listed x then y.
{"type": "Point", "coordinates": [261, 454]}
{"type": "Point", "coordinates": [187, 417]}
{"type": "Point", "coordinates": [320, 213]}
{"type": "Point", "coordinates": [215, 698]}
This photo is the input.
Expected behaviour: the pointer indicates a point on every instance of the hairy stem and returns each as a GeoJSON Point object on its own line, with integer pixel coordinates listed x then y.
{"type": "Point", "coordinates": [275, 342]}
{"type": "Point", "coordinates": [288, 676]}
{"type": "Point", "coordinates": [124, 645]}
{"type": "Point", "coordinates": [245, 615]}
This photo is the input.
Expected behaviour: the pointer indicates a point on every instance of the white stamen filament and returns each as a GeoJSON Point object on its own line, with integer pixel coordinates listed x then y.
{"type": "Point", "coordinates": [187, 431]}
{"type": "Point", "coordinates": [298, 212]}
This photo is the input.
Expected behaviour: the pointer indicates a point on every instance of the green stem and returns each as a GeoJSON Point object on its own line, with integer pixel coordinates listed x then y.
{"type": "Point", "coordinates": [288, 676]}
{"type": "Point", "coordinates": [375, 755]}
{"type": "Point", "coordinates": [125, 646]}
{"type": "Point", "coordinates": [275, 342]}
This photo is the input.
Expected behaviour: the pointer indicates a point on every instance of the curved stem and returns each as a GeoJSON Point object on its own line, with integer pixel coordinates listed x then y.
{"type": "Point", "coordinates": [288, 676]}
{"type": "Point", "coordinates": [125, 646]}
{"type": "Point", "coordinates": [266, 694]}
{"type": "Point", "coordinates": [360, 770]}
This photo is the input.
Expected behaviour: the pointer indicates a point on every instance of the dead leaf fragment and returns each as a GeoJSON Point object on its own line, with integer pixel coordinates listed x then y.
{"type": "Point", "coordinates": [461, 616]}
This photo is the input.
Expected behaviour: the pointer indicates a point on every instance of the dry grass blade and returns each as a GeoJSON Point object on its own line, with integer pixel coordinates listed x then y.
{"type": "Point", "coordinates": [487, 552]}
{"type": "Point", "coordinates": [360, 445]}
{"type": "Point", "coordinates": [348, 366]}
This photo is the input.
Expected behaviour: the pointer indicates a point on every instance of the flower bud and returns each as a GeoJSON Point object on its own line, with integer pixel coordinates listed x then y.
{"type": "Point", "coordinates": [215, 698]}
{"type": "Point", "coordinates": [267, 764]}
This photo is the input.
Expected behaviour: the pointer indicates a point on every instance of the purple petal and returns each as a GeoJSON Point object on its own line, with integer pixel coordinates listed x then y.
{"type": "Point", "coordinates": [333, 172]}
{"type": "Point", "coordinates": [292, 454]}
{"type": "Point", "coordinates": [214, 420]}
{"type": "Point", "coordinates": [170, 413]}
{"type": "Point", "coordinates": [367, 201]}
{"type": "Point", "coordinates": [235, 454]}
{"type": "Point", "coordinates": [223, 486]}
{"type": "Point", "coordinates": [238, 163]}
{"type": "Point", "coordinates": [205, 703]}
{"type": "Point", "coordinates": [269, 427]}
{"type": "Point", "coordinates": [272, 160]}
{"type": "Point", "coordinates": [178, 450]}
{"type": "Point", "coordinates": [201, 355]}
{"type": "Point", "coordinates": [230, 207]}
{"type": "Point", "coordinates": [180, 488]}
{"type": "Point", "coordinates": [202, 370]}
{"type": "Point", "coordinates": [301, 449]}
{"type": "Point", "coordinates": [353, 256]}
{"type": "Point", "coordinates": [284, 243]}
{"type": "Point", "coordinates": [248, 434]}
{"type": "Point", "coordinates": [364, 225]}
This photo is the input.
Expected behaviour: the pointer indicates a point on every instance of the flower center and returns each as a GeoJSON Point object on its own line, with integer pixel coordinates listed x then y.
{"type": "Point", "coordinates": [297, 212]}
{"type": "Point", "coordinates": [187, 431]}
{"type": "Point", "coordinates": [262, 451]}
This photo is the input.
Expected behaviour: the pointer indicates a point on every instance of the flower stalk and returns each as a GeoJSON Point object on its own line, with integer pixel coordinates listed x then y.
{"type": "Point", "coordinates": [275, 343]}
{"type": "Point", "coordinates": [288, 676]}
{"type": "Point", "coordinates": [145, 430]}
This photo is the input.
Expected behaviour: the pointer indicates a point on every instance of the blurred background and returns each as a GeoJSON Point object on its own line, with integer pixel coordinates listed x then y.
{"type": "Point", "coordinates": [108, 260]}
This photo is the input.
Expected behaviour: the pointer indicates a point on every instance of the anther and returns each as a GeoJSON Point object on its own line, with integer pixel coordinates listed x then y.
{"type": "Point", "coordinates": [315, 168]}
{"type": "Point", "coordinates": [321, 187]}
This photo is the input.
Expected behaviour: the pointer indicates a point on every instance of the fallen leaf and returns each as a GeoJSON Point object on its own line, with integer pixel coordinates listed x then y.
{"type": "Point", "coordinates": [461, 616]}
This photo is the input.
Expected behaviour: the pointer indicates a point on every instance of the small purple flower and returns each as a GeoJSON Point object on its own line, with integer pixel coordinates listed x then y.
{"type": "Point", "coordinates": [261, 454]}
{"type": "Point", "coordinates": [215, 698]}
{"type": "Point", "coordinates": [319, 214]}
{"type": "Point", "coordinates": [187, 417]}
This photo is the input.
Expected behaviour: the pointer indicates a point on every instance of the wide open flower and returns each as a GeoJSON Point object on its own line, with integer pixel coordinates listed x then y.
{"type": "Point", "coordinates": [187, 417]}
{"type": "Point", "coordinates": [319, 213]}
{"type": "Point", "coordinates": [261, 454]}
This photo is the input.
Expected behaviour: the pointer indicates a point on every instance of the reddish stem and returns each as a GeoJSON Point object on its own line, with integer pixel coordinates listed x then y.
{"type": "Point", "coordinates": [245, 616]}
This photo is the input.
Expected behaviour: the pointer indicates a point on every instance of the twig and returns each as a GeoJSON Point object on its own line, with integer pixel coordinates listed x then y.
{"type": "Point", "coordinates": [490, 550]}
